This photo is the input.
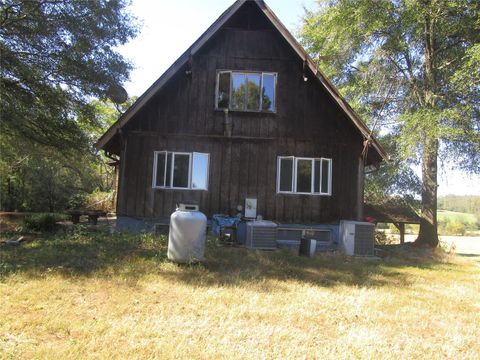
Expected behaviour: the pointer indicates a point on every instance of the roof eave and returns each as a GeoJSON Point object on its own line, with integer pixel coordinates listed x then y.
{"type": "Point", "coordinates": [197, 45]}
{"type": "Point", "coordinates": [167, 75]}
{"type": "Point", "coordinates": [362, 127]}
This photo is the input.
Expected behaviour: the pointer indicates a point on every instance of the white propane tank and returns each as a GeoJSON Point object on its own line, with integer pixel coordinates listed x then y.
{"type": "Point", "coordinates": [186, 238]}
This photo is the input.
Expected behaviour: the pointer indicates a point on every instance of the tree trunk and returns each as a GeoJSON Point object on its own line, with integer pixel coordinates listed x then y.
{"type": "Point", "coordinates": [428, 235]}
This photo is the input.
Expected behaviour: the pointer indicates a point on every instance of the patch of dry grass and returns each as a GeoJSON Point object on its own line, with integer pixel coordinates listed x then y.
{"type": "Point", "coordinates": [97, 296]}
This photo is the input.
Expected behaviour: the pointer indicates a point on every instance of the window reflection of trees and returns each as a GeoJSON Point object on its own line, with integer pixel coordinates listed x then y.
{"type": "Point", "coordinates": [249, 91]}
{"type": "Point", "coordinates": [304, 176]}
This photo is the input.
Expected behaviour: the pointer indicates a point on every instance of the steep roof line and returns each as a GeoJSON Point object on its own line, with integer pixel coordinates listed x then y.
{"type": "Point", "coordinates": [362, 127]}
{"type": "Point", "coordinates": [197, 45]}
{"type": "Point", "coordinates": [167, 75]}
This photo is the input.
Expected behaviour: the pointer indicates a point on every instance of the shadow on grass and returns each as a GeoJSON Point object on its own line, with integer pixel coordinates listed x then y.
{"type": "Point", "coordinates": [239, 266]}
{"type": "Point", "coordinates": [80, 253]}
{"type": "Point", "coordinates": [83, 254]}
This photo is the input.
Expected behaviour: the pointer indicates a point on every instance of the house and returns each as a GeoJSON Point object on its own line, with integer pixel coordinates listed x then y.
{"type": "Point", "coordinates": [243, 113]}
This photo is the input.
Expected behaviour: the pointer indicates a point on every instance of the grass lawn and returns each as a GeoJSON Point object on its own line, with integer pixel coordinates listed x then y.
{"type": "Point", "coordinates": [101, 296]}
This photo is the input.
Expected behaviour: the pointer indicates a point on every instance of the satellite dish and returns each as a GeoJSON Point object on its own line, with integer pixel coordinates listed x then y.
{"type": "Point", "coordinates": [117, 94]}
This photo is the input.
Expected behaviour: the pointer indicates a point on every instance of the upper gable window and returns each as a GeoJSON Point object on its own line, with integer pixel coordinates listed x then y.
{"type": "Point", "coordinates": [246, 91]}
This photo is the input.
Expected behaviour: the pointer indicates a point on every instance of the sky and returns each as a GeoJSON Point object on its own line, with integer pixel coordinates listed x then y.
{"type": "Point", "coordinates": [165, 36]}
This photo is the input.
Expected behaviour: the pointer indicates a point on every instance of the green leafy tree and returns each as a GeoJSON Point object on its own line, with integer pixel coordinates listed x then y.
{"type": "Point", "coordinates": [393, 178]}
{"type": "Point", "coordinates": [36, 177]}
{"type": "Point", "coordinates": [55, 57]}
{"type": "Point", "coordinates": [39, 178]}
{"type": "Point", "coordinates": [412, 66]}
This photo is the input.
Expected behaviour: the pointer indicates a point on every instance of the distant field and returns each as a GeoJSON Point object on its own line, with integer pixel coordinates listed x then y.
{"type": "Point", "coordinates": [465, 218]}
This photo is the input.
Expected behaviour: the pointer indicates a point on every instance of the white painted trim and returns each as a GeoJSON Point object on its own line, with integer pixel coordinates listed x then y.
{"type": "Point", "coordinates": [172, 166]}
{"type": "Point", "coordinates": [208, 167]}
{"type": "Point", "coordinates": [154, 177]}
{"type": "Point", "coordinates": [190, 168]}
{"type": "Point", "coordinates": [329, 183]}
{"type": "Point", "coordinates": [155, 164]}
{"type": "Point", "coordinates": [246, 72]}
{"type": "Point", "coordinates": [275, 84]}
{"type": "Point", "coordinates": [166, 167]}
{"type": "Point", "coordinates": [173, 169]}
{"type": "Point", "coordinates": [279, 161]}
{"type": "Point", "coordinates": [294, 176]}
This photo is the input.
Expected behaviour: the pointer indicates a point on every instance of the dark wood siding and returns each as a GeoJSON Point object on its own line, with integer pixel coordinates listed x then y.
{"type": "Point", "coordinates": [182, 117]}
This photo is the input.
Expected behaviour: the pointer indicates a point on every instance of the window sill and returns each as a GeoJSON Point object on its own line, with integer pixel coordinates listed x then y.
{"type": "Point", "coordinates": [248, 112]}
{"type": "Point", "coordinates": [177, 189]}
{"type": "Point", "coordinates": [297, 193]}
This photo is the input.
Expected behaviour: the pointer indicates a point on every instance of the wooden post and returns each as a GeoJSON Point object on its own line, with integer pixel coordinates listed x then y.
{"type": "Point", "coordinates": [401, 228]}
{"type": "Point", "coordinates": [360, 189]}
{"type": "Point", "coordinates": [120, 209]}
{"type": "Point", "coordinates": [116, 175]}
{"type": "Point", "coordinates": [402, 233]}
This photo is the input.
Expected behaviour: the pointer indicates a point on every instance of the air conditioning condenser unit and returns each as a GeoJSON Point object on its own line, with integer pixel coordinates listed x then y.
{"type": "Point", "coordinates": [261, 235]}
{"type": "Point", "coordinates": [357, 238]}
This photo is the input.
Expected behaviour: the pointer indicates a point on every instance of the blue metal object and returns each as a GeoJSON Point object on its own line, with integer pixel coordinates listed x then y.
{"type": "Point", "coordinates": [220, 221]}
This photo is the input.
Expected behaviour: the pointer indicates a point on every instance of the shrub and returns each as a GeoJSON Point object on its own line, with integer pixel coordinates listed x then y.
{"type": "Point", "coordinates": [382, 239]}
{"type": "Point", "coordinates": [100, 200]}
{"type": "Point", "coordinates": [77, 201]}
{"type": "Point", "coordinates": [455, 228]}
{"type": "Point", "coordinates": [40, 222]}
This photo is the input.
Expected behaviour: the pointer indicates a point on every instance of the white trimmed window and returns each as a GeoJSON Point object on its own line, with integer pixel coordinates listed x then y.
{"type": "Point", "coordinates": [180, 170]}
{"type": "Point", "coordinates": [246, 91]}
{"type": "Point", "coordinates": [299, 175]}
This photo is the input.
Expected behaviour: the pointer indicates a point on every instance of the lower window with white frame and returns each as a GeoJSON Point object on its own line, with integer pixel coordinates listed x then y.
{"type": "Point", "coordinates": [180, 170]}
{"type": "Point", "coordinates": [300, 175]}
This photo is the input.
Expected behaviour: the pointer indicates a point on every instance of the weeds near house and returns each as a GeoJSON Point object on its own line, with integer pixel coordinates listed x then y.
{"type": "Point", "coordinates": [93, 295]}
{"type": "Point", "coordinates": [41, 222]}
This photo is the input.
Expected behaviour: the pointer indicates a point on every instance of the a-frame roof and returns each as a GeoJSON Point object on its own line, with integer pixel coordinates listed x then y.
{"type": "Point", "coordinates": [207, 35]}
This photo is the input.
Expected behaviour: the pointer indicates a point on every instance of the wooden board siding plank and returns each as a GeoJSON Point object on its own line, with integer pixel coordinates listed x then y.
{"type": "Point", "coordinates": [142, 174]}
{"type": "Point", "coordinates": [253, 156]}
{"type": "Point", "coordinates": [243, 173]}
{"type": "Point", "coordinates": [270, 180]}
{"type": "Point", "coordinates": [149, 197]}
{"type": "Point", "coordinates": [226, 152]}
{"type": "Point", "coordinates": [122, 196]}
{"type": "Point", "coordinates": [198, 97]}
{"type": "Point", "coordinates": [208, 102]}
{"type": "Point", "coordinates": [215, 178]}
{"type": "Point", "coordinates": [338, 173]}
{"type": "Point", "coordinates": [280, 198]}
{"type": "Point", "coordinates": [131, 176]}
{"type": "Point", "coordinates": [262, 177]}
{"type": "Point", "coordinates": [235, 174]}
{"type": "Point", "coordinates": [158, 195]}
